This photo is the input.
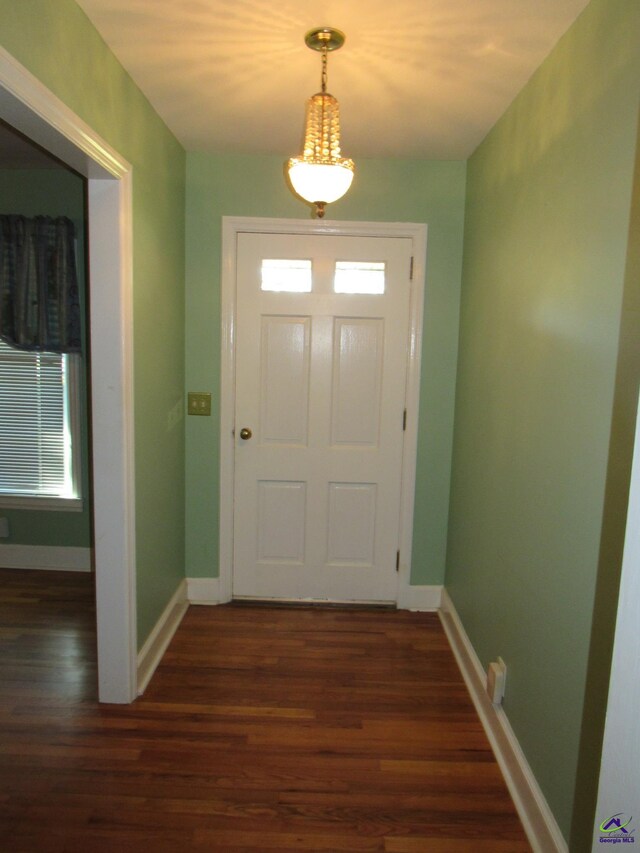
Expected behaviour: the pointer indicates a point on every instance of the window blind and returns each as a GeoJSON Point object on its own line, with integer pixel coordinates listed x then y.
{"type": "Point", "coordinates": [35, 439]}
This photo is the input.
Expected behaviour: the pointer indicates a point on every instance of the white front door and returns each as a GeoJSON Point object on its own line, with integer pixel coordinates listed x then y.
{"type": "Point", "coordinates": [321, 357]}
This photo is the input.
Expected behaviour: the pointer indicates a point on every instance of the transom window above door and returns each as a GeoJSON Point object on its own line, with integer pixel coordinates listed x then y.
{"type": "Point", "coordinates": [286, 276]}
{"type": "Point", "coordinates": [295, 275]}
{"type": "Point", "coordinates": [365, 277]}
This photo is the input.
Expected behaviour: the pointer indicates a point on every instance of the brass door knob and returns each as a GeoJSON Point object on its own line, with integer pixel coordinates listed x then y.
{"type": "Point", "coordinates": [245, 433]}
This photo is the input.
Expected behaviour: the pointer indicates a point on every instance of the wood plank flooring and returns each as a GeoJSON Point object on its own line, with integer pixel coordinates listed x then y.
{"type": "Point", "coordinates": [264, 729]}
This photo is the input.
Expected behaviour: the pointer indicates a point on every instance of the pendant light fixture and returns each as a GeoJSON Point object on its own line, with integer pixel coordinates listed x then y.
{"type": "Point", "coordinates": [320, 175]}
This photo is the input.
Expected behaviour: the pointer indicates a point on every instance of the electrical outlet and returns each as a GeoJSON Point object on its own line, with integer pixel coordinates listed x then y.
{"type": "Point", "coordinates": [198, 403]}
{"type": "Point", "coordinates": [496, 681]}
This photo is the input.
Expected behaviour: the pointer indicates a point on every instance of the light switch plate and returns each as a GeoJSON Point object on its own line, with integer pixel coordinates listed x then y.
{"type": "Point", "coordinates": [198, 403]}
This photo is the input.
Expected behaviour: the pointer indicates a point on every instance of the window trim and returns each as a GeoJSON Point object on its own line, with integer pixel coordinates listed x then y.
{"type": "Point", "coordinates": [33, 502]}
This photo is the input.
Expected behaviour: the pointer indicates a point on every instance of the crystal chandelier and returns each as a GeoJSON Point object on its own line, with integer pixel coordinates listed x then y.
{"type": "Point", "coordinates": [320, 175]}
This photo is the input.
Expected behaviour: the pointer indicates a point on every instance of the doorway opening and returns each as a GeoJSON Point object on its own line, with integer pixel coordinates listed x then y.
{"type": "Point", "coordinates": [38, 114]}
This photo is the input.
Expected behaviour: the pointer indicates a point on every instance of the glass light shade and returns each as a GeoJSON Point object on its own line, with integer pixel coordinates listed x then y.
{"type": "Point", "coordinates": [320, 174]}
{"type": "Point", "coordinates": [320, 182]}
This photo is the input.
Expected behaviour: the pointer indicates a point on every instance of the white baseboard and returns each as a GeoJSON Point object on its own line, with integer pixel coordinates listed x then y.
{"type": "Point", "coordinates": [539, 823]}
{"type": "Point", "coordinates": [424, 598]}
{"type": "Point", "coordinates": [204, 591]}
{"type": "Point", "coordinates": [45, 557]}
{"type": "Point", "coordinates": [156, 643]}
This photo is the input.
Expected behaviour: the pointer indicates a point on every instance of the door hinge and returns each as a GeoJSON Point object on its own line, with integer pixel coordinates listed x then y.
{"type": "Point", "coordinates": [411, 269]}
{"type": "Point", "coordinates": [397, 561]}
{"type": "Point", "coordinates": [404, 421]}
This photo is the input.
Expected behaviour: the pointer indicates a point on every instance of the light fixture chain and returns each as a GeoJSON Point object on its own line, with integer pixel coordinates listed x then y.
{"type": "Point", "coordinates": [324, 70]}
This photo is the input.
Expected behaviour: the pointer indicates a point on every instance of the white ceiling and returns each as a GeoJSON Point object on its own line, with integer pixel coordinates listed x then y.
{"type": "Point", "coordinates": [415, 78]}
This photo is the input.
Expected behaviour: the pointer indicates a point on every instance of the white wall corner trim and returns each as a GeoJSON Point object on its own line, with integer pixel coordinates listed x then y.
{"type": "Point", "coordinates": [423, 598]}
{"type": "Point", "coordinates": [158, 640]}
{"type": "Point", "coordinates": [204, 591]}
{"type": "Point", "coordinates": [539, 823]}
{"type": "Point", "coordinates": [47, 557]}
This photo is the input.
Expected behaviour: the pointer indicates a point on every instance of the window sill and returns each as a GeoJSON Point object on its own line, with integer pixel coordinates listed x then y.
{"type": "Point", "coordinates": [34, 503]}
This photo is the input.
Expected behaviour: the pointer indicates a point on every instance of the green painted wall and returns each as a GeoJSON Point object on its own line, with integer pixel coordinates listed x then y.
{"type": "Point", "coordinates": [55, 40]}
{"type": "Point", "coordinates": [546, 231]}
{"type": "Point", "coordinates": [51, 192]}
{"type": "Point", "coordinates": [383, 190]}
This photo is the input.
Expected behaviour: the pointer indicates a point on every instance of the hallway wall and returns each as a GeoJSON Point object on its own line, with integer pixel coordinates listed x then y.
{"type": "Point", "coordinates": [546, 231]}
{"type": "Point", "coordinates": [383, 190]}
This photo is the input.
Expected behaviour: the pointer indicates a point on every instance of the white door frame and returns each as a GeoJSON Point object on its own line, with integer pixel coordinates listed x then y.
{"type": "Point", "coordinates": [619, 784]}
{"type": "Point", "coordinates": [35, 111]}
{"type": "Point", "coordinates": [231, 227]}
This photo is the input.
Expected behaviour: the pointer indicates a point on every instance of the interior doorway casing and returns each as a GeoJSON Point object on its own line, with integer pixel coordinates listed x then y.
{"type": "Point", "coordinates": [36, 112]}
{"type": "Point", "coordinates": [231, 227]}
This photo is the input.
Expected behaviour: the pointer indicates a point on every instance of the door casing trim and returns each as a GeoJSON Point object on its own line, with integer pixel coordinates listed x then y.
{"type": "Point", "coordinates": [34, 110]}
{"type": "Point", "coordinates": [231, 227]}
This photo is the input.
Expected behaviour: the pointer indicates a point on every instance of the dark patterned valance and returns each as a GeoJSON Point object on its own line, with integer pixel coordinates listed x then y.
{"type": "Point", "coordinates": [39, 298]}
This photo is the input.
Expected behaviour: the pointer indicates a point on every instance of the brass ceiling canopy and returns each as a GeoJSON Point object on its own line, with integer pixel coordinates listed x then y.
{"type": "Point", "coordinates": [324, 38]}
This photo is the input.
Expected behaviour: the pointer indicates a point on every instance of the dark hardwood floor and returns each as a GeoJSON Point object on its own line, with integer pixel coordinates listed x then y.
{"type": "Point", "coordinates": [264, 729]}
